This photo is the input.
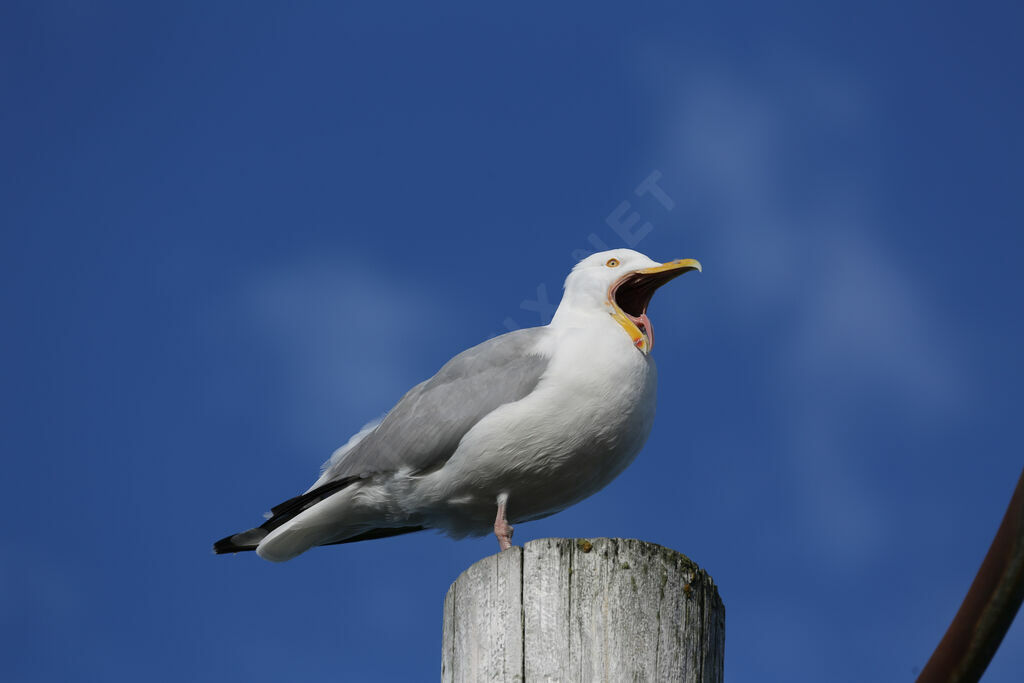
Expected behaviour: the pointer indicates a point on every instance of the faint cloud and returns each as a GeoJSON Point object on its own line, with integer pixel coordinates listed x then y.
{"type": "Point", "coordinates": [790, 243]}
{"type": "Point", "coordinates": [343, 334]}
{"type": "Point", "coordinates": [866, 324]}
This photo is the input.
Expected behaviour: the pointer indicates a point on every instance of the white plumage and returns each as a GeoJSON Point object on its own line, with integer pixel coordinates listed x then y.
{"type": "Point", "coordinates": [526, 424]}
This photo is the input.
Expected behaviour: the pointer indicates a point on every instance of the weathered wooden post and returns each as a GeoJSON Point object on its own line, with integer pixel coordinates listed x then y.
{"type": "Point", "coordinates": [604, 609]}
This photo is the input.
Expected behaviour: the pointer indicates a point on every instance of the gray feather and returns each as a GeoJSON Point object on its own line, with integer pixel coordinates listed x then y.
{"type": "Point", "coordinates": [423, 430]}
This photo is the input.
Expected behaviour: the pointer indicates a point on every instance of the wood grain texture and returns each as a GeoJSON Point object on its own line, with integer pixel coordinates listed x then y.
{"type": "Point", "coordinates": [584, 610]}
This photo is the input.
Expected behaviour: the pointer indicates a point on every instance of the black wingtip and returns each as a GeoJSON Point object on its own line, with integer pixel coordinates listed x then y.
{"type": "Point", "coordinates": [225, 546]}
{"type": "Point", "coordinates": [280, 514]}
{"type": "Point", "coordinates": [241, 542]}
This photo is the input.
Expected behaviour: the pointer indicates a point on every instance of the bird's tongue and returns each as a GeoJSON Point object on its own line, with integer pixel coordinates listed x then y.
{"type": "Point", "coordinates": [644, 323]}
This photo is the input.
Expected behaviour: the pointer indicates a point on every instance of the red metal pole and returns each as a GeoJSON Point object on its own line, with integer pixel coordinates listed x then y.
{"type": "Point", "coordinates": [989, 607]}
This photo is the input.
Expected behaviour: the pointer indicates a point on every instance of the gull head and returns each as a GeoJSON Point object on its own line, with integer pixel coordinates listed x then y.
{"type": "Point", "coordinates": [621, 282]}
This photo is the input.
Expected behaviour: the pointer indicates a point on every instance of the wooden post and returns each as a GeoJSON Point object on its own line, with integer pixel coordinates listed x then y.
{"type": "Point", "coordinates": [604, 609]}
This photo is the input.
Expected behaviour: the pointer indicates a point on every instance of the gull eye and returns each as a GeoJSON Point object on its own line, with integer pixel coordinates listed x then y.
{"type": "Point", "coordinates": [612, 262]}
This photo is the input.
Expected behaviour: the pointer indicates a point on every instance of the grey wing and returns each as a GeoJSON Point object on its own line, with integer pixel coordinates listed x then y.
{"type": "Point", "coordinates": [423, 430]}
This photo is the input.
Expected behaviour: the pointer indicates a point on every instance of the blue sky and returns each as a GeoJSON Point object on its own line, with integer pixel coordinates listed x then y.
{"type": "Point", "coordinates": [233, 233]}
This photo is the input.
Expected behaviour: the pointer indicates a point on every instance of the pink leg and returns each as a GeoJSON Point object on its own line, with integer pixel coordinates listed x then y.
{"type": "Point", "coordinates": [502, 529]}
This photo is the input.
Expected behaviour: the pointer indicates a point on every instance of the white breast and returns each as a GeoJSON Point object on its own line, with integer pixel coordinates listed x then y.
{"type": "Point", "coordinates": [581, 426]}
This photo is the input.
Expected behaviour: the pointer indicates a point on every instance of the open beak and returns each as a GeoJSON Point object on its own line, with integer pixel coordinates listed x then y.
{"type": "Point", "coordinates": [630, 295]}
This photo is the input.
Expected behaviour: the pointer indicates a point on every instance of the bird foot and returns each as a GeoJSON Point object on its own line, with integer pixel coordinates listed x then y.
{"type": "Point", "coordinates": [502, 529]}
{"type": "Point", "coordinates": [504, 533]}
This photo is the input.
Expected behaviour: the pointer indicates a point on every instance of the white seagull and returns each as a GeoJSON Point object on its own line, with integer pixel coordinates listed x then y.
{"type": "Point", "coordinates": [514, 429]}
